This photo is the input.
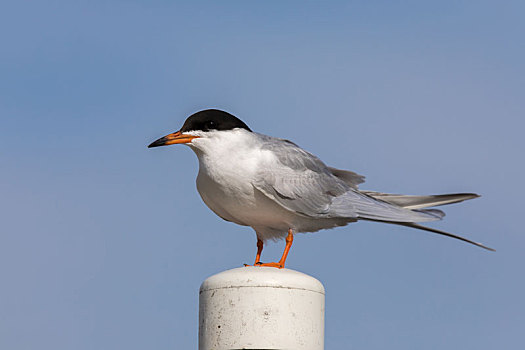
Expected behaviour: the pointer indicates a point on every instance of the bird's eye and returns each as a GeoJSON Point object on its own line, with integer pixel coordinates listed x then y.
{"type": "Point", "coordinates": [209, 125]}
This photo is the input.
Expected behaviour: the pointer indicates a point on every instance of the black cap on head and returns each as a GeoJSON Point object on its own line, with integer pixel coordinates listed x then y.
{"type": "Point", "coordinates": [212, 119]}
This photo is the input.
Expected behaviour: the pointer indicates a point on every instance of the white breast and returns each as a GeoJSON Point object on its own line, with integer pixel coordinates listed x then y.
{"type": "Point", "coordinates": [228, 162]}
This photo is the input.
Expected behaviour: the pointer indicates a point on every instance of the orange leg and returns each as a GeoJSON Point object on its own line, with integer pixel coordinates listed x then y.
{"type": "Point", "coordinates": [280, 264]}
{"type": "Point", "coordinates": [260, 246]}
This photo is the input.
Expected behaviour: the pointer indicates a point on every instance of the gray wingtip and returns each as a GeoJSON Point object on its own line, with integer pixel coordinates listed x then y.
{"type": "Point", "coordinates": [473, 195]}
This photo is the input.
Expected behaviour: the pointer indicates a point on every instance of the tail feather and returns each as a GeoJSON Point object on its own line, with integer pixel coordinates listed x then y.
{"type": "Point", "coordinates": [430, 229]}
{"type": "Point", "coordinates": [419, 202]}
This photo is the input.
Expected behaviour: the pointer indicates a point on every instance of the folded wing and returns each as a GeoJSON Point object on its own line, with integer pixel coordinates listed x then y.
{"type": "Point", "coordinates": [301, 182]}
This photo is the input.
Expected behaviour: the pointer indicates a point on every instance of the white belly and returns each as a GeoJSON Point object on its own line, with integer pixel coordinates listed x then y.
{"type": "Point", "coordinates": [239, 202]}
{"type": "Point", "coordinates": [245, 205]}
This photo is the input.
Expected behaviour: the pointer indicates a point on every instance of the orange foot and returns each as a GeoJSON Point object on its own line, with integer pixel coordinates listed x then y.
{"type": "Point", "coordinates": [272, 264]}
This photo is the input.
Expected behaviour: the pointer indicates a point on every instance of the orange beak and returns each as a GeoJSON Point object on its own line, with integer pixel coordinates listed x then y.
{"type": "Point", "coordinates": [171, 139]}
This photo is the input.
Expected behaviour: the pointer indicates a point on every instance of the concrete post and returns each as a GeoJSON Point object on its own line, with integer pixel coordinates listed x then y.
{"type": "Point", "coordinates": [261, 308]}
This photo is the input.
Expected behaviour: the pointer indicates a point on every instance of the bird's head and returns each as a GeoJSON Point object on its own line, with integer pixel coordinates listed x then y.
{"type": "Point", "coordinates": [202, 124]}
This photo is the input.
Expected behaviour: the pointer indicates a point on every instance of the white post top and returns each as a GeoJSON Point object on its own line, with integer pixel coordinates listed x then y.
{"type": "Point", "coordinates": [261, 308]}
{"type": "Point", "coordinates": [254, 276]}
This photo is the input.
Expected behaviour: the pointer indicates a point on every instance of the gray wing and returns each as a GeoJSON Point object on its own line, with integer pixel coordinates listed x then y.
{"type": "Point", "coordinates": [302, 183]}
{"type": "Point", "coordinates": [296, 179]}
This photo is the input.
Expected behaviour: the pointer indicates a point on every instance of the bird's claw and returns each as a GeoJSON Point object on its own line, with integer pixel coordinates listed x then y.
{"type": "Point", "coordinates": [272, 264]}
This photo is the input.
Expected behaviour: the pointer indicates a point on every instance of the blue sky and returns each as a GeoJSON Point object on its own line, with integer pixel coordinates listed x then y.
{"type": "Point", "coordinates": [104, 243]}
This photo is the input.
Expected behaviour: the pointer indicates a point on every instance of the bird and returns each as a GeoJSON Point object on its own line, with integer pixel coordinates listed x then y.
{"type": "Point", "coordinates": [279, 189]}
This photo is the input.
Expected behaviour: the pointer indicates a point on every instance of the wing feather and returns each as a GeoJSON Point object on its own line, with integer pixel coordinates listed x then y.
{"type": "Point", "coordinates": [301, 182]}
{"type": "Point", "coordinates": [418, 202]}
{"type": "Point", "coordinates": [349, 177]}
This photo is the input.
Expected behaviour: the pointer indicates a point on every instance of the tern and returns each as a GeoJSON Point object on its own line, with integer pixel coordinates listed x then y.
{"type": "Point", "coordinates": [279, 189]}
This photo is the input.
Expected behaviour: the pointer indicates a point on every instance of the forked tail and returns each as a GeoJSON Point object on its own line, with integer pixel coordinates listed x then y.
{"type": "Point", "coordinates": [417, 203]}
